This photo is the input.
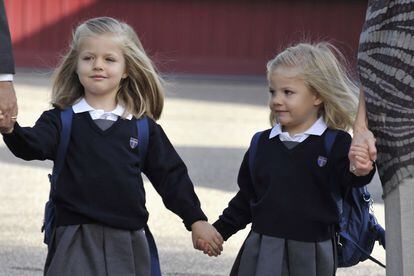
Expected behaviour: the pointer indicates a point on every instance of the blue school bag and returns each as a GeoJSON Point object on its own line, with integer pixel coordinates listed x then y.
{"type": "Point", "coordinates": [358, 229]}
{"type": "Point", "coordinates": [49, 216]}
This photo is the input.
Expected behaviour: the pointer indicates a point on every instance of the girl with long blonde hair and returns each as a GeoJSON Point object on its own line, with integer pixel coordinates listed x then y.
{"type": "Point", "coordinates": [284, 184]}
{"type": "Point", "coordinates": [107, 82]}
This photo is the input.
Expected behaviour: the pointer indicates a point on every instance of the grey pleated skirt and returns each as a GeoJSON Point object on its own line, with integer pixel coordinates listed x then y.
{"type": "Point", "coordinates": [263, 255]}
{"type": "Point", "coordinates": [94, 250]}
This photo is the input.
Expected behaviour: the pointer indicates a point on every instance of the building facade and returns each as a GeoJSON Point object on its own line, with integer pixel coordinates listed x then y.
{"type": "Point", "coordinates": [190, 37]}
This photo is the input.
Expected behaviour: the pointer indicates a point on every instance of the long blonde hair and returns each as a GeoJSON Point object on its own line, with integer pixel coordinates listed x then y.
{"type": "Point", "coordinates": [142, 92]}
{"type": "Point", "coordinates": [322, 66]}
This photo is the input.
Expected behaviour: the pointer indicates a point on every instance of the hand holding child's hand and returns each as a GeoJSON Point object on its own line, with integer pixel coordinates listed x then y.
{"type": "Point", "coordinates": [361, 163]}
{"type": "Point", "coordinates": [206, 238]}
{"type": "Point", "coordinates": [9, 128]}
{"type": "Point", "coordinates": [8, 107]}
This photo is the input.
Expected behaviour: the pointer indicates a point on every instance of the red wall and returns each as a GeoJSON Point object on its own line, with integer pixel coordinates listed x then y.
{"type": "Point", "coordinates": [205, 36]}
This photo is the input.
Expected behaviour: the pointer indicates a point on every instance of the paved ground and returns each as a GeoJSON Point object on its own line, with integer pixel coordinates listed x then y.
{"type": "Point", "coordinates": [209, 120]}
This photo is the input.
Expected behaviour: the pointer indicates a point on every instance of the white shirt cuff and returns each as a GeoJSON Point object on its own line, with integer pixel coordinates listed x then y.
{"type": "Point", "coordinates": [6, 77]}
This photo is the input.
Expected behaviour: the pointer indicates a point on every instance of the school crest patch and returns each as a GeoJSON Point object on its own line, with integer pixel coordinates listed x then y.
{"type": "Point", "coordinates": [133, 142]}
{"type": "Point", "coordinates": [322, 161]}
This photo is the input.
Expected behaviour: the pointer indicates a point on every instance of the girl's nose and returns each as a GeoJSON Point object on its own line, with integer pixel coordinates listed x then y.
{"type": "Point", "coordinates": [97, 64]}
{"type": "Point", "coordinates": [276, 99]}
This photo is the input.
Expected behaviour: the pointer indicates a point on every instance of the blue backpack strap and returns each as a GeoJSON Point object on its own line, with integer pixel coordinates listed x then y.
{"type": "Point", "coordinates": [329, 140]}
{"type": "Point", "coordinates": [155, 262]}
{"type": "Point", "coordinates": [330, 137]}
{"type": "Point", "coordinates": [143, 137]}
{"type": "Point", "coordinates": [66, 119]}
{"type": "Point", "coordinates": [49, 216]}
{"type": "Point", "coordinates": [252, 152]}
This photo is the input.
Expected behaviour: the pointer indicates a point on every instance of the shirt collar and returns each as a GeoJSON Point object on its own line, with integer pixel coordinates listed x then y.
{"type": "Point", "coordinates": [317, 128]}
{"type": "Point", "coordinates": [83, 106]}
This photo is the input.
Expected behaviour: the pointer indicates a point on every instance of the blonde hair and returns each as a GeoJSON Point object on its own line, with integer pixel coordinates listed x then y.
{"type": "Point", "coordinates": [142, 92]}
{"type": "Point", "coordinates": [322, 67]}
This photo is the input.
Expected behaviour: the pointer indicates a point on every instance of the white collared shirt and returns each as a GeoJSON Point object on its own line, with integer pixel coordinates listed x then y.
{"type": "Point", "coordinates": [317, 128]}
{"type": "Point", "coordinates": [83, 106]}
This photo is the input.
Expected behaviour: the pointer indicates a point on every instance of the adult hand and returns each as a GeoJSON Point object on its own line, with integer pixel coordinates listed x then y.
{"type": "Point", "coordinates": [8, 106]}
{"type": "Point", "coordinates": [363, 140]}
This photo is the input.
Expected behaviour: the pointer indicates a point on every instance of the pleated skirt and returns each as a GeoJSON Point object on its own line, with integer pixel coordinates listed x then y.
{"type": "Point", "coordinates": [94, 250]}
{"type": "Point", "coordinates": [263, 255]}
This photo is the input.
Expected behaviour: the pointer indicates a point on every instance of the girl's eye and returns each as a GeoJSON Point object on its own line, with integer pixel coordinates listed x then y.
{"type": "Point", "coordinates": [110, 59]}
{"type": "Point", "coordinates": [288, 92]}
{"type": "Point", "coordinates": [86, 58]}
{"type": "Point", "coordinates": [271, 91]}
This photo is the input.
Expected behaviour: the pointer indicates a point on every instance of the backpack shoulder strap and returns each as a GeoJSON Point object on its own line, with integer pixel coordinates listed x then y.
{"type": "Point", "coordinates": [329, 140]}
{"type": "Point", "coordinates": [66, 119]}
{"type": "Point", "coordinates": [143, 136]}
{"type": "Point", "coordinates": [252, 153]}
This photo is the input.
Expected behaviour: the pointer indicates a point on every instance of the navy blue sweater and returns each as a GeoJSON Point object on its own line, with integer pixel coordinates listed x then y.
{"type": "Point", "coordinates": [291, 195]}
{"type": "Point", "coordinates": [100, 181]}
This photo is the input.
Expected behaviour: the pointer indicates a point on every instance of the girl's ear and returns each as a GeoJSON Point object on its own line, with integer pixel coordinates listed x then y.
{"type": "Point", "coordinates": [317, 100]}
{"type": "Point", "coordinates": [124, 75]}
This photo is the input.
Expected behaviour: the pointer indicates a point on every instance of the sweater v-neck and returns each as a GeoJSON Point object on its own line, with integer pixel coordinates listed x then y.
{"type": "Point", "coordinates": [100, 131]}
{"type": "Point", "coordinates": [295, 148]}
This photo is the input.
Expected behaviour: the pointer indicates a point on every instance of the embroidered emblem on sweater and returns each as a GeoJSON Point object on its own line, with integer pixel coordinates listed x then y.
{"type": "Point", "coordinates": [133, 142]}
{"type": "Point", "coordinates": [322, 161]}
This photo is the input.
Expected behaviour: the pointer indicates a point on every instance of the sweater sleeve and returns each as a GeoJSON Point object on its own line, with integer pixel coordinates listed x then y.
{"type": "Point", "coordinates": [168, 174]}
{"type": "Point", "coordinates": [340, 150]}
{"type": "Point", "coordinates": [6, 53]}
{"type": "Point", "coordinates": [38, 142]}
{"type": "Point", "coordinates": [237, 215]}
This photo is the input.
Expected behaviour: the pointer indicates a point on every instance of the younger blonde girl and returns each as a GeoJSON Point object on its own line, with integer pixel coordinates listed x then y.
{"type": "Point", "coordinates": [285, 192]}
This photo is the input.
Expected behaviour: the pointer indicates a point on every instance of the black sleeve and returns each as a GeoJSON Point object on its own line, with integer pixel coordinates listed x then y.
{"type": "Point", "coordinates": [340, 152]}
{"type": "Point", "coordinates": [237, 215]}
{"type": "Point", "coordinates": [168, 174]}
{"type": "Point", "coordinates": [38, 142]}
{"type": "Point", "coordinates": [6, 53]}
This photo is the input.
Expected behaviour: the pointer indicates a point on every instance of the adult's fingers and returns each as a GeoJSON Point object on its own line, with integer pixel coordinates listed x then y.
{"type": "Point", "coordinates": [372, 149]}
{"type": "Point", "coordinates": [358, 152]}
{"type": "Point", "coordinates": [8, 104]}
{"type": "Point", "coordinates": [5, 120]}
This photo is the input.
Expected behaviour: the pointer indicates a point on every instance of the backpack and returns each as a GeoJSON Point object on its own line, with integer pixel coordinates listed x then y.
{"type": "Point", "coordinates": [357, 229]}
{"type": "Point", "coordinates": [49, 216]}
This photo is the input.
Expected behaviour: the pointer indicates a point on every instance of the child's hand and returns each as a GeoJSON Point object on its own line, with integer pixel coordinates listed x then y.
{"type": "Point", "coordinates": [361, 164]}
{"type": "Point", "coordinates": [205, 247]}
{"type": "Point", "coordinates": [206, 238]}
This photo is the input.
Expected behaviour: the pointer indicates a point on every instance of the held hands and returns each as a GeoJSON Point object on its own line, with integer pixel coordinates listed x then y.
{"type": "Point", "coordinates": [5, 129]}
{"type": "Point", "coordinates": [362, 153]}
{"type": "Point", "coordinates": [206, 238]}
{"type": "Point", "coordinates": [8, 107]}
